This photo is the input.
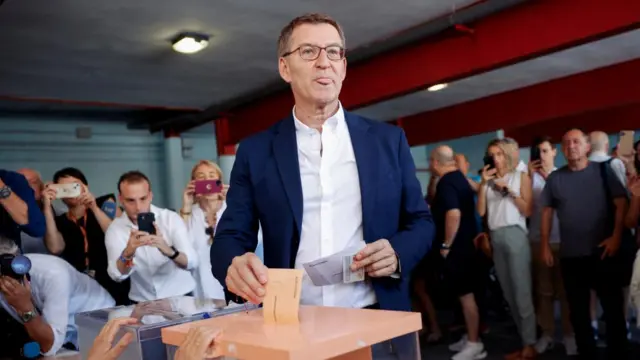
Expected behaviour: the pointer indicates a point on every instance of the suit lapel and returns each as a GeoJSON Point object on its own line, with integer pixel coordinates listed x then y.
{"type": "Point", "coordinates": [285, 148]}
{"type": "Point", "coordinates": [365, 150]}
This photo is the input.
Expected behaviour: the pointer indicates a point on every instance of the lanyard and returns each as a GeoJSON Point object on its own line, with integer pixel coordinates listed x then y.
{"type": "Point", "coordinates": [83, 230]}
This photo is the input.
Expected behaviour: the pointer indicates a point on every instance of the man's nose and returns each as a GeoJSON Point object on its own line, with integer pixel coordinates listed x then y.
{"type": "Point", "coordinates": [323, 60]}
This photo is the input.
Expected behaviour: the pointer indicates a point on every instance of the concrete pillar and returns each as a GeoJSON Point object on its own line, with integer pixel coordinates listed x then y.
{"type": "Point", "coordinates": [174, 170]}
{"type": "Point", "coordinates": [226, 164]}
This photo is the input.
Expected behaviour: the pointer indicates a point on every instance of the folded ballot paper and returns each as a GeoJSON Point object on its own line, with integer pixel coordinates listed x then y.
{"type": "Point", "coordinates": [334, 269]}
{"type": "Point", "coordinates": [282, 300]}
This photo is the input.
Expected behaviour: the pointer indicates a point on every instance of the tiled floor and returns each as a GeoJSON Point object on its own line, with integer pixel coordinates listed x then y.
{"type": "Point", "coordinates": [503, 339]}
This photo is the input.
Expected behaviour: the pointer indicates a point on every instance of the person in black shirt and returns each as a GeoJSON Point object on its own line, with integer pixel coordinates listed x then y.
{"type": "Point", "coordinates": [78, 235]}
{"type": "Point", "coordinates": [454, 213]}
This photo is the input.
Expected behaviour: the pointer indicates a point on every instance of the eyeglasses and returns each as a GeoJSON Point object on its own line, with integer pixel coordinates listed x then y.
{"type": "Point", "coordinates": [312, 52]}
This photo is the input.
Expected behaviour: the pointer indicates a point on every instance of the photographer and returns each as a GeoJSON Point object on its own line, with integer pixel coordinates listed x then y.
{"type": "Point", "coordinates": [39, 296]}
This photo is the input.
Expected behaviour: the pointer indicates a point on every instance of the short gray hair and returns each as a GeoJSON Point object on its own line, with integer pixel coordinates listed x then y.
{"type": "Point", "coordinates": [8, 246]}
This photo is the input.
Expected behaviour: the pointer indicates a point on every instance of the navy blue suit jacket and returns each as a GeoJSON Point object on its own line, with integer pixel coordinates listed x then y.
{"type": "Point", "coordinates": [36, 226]}
{"type": "Point", "coordinates": [265, 188]}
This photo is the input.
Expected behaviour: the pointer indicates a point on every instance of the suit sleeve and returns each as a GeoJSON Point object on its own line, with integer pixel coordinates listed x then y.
{"type": "Point", "coordinates": [416, 228]}
{"type": "Point", "coordinates": [36, 226]}
{"type": "Point", "coordinates": [237, 231]}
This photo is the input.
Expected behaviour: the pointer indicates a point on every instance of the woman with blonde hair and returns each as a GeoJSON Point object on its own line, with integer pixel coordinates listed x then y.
{"type": "Point", "coordinates": [201, 213]}
{"type": "Point", "coordinates": [505, 197]}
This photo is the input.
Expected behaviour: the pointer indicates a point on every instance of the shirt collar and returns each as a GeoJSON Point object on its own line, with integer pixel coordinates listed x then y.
{"type": "Point", "coordinates": [331, 123]}
{"type": "Point", "coordinates": [599, 155]}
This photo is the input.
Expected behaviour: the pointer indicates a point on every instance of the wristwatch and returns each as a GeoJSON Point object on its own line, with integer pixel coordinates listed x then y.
{"type": "Point", "coordinates": [28, 316]}
{"type": "Point", "coordinates": [5, 192]}
{"type": "Point", "coordinates": [175, 253]}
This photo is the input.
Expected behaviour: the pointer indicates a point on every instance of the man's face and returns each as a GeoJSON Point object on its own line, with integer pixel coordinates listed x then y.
{"type": "Point", "coordinates": [135, 198]}
{"type": "Point", "coordinates": [316, 81]}
{"type": "Point", "coordinates": [547, 153]}
{"type": "Point", "coordinates": [34, 180]}
{"type": "Point", "coordinates": [574, 145]}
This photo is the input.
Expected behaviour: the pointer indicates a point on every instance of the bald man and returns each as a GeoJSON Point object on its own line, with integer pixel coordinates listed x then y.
{"type": "Point", "coordinates": [454, 213]}
{"type": "Point", "coordinates": [599, 142]}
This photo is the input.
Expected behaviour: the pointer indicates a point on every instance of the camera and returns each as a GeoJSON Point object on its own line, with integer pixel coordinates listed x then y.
{"type": "Point", "coordinates": [14, 266]}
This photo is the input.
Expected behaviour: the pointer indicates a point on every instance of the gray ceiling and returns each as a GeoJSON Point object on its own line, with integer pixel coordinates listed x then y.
{"type": "Point", "coordinates": [587, 57]}
{"type": "Point", "coordinates": [118, 51]}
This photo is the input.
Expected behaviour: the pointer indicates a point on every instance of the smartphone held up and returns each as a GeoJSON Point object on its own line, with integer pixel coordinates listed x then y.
{"type": "Point", "coordinates": [208, 187]}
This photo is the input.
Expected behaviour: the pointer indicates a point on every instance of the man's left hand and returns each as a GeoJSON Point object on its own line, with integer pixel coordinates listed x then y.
{"type": "Point", "coordinates": [2, 184]}
{"type": "Point", "coordinates": [378, 258]}
{"type": "Point", "coordinates": [16, 294]}
{"type": "Point", "coordinates": [611, 246]}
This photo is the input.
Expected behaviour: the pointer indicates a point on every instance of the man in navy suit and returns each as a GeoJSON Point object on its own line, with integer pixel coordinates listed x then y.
{"type": "Point", "coordinates": [321, 181]}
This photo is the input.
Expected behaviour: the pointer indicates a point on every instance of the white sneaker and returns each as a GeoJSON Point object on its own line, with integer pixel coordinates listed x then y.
{"type": "Point", "coordinates": [471, 351]}
{"type": "Point", "coordinates": [458, 346]}
{"type": "Point", "coordinates": [544, 343]}
{"type": "Point", "coordinates": [570, 346]}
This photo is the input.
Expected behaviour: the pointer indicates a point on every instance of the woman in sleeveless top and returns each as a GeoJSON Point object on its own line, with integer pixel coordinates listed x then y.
{"type": "Point", "coordinates": [505, 197]}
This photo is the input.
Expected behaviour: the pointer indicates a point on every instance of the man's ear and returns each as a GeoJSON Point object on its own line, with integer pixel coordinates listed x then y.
{"type": "Point", "coordinates": [283, 68]}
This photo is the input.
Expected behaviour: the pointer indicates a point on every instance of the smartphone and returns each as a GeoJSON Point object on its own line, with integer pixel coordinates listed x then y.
{"type": "Point", "coordinates": [64, 191]}
{"type": "Point", "coordinates": [488, 160]}
{"type": "Point", "coordinates": [145, 222]}
{"type": "Point", "coordinates": [206, 187]}
{"type": "Point", "coordinates": [625, 145]}
{"type": "Point", "coordinates": [534, 154]}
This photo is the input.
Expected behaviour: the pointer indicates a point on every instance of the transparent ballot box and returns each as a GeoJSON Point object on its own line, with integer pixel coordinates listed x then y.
{"type": "Point", "coordinates": [321, 333]}
{"type": "Point", "coordinates": [152, 317]}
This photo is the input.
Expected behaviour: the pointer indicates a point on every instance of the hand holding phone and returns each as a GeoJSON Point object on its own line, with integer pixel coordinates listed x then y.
{"type": "Point", "coordinates": [66, 191]}
{"type": "Point", "coordinates": [146, 222]}
{"type": "Point", "coordinates": [207, 187]}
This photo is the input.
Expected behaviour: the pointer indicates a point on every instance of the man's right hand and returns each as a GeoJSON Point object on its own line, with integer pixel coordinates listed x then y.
{"type": "Point", "coordinates": [136, 240]}
{"type": "Point", "coordinates": [247, 277]}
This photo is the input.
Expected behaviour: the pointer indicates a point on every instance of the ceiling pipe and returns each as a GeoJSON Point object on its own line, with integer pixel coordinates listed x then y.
{"type": "Point", "coordinates": [457, 20]}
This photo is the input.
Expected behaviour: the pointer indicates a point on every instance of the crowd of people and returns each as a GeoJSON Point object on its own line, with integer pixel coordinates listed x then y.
{"type": "Point", "coordinates": [322, 181]}
{"type": "Point", "coordinates": [550, 234]}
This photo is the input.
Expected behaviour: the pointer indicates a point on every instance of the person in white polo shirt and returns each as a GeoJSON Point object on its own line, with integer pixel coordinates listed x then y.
{"type": "Point", "coordinates": [158, 264]}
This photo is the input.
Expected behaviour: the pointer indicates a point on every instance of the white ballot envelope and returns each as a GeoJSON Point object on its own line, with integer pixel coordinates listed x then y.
{"type": "Point", "coordinates": [334, 269]}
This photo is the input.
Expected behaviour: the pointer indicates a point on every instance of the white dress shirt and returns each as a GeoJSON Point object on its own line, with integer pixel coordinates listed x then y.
{"type": "Point", "coordinates": [59, 292]}
{"type": "Point", "coordinates": [332, 208]}
{"type": "Point", "coordinates": [153, 275]}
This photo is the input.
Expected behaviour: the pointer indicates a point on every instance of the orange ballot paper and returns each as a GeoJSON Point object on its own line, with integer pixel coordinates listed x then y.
{"type": "Point", "coordinates": [282, 301]}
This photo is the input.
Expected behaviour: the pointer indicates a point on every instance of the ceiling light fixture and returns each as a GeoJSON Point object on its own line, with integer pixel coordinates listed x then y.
{"type": "Point", "coordinates": [190, 43]}
{"type": "Point", "coordinates": [437, 87]}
